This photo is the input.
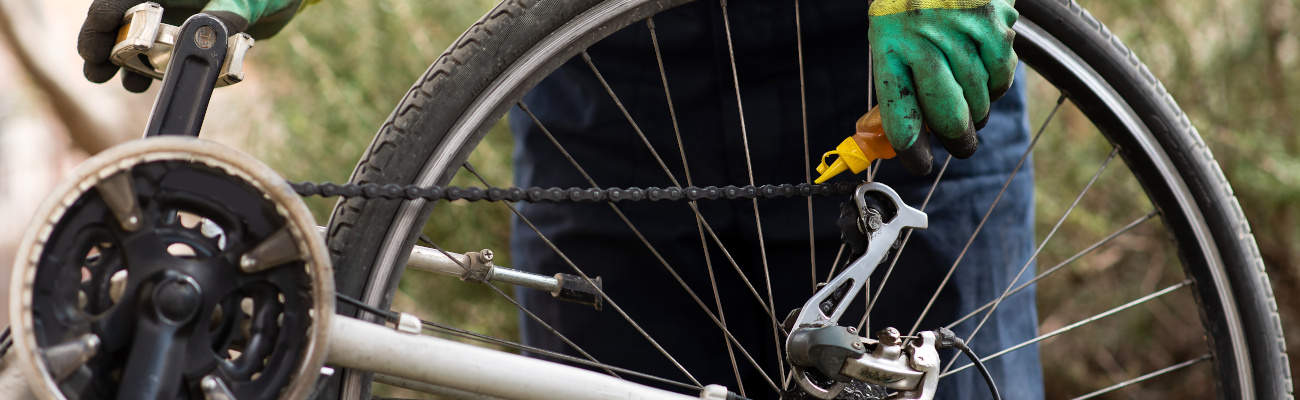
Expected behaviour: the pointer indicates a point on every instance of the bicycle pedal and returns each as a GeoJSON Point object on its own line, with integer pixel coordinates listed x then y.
{"type": "Point", "coordinates": [145, 46]}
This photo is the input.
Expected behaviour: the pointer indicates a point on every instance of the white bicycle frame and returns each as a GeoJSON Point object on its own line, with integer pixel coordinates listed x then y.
{"type": "Point", "coordinates": [363, 345]}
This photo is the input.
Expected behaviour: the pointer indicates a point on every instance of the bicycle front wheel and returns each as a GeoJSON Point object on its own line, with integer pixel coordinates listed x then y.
{"type": "Point", "coordinates": [1225, 292]}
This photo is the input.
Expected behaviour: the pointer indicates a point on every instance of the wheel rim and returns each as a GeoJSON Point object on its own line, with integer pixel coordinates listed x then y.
{"type": "Point", "coordinates": [487, 108]}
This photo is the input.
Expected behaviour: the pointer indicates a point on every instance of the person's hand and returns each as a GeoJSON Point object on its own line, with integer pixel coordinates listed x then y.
{"type": "Point", "coordinates": [939, 64]}
{"type": "Point", "coordinates": [260, 18]}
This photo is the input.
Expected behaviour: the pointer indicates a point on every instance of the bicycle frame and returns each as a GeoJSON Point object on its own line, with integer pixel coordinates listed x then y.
{"type": "Point", "coordinates": [362, 345]}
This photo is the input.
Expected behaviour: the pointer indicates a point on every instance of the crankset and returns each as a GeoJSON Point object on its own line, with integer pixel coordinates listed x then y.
{"type": "Point", "coordinates": [172, 267]}
{"type": "Point", "coordinates": [826, 357]}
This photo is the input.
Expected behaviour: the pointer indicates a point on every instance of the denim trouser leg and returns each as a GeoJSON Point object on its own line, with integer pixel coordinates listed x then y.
{"type": "Point", "coordinates": [578, 111]}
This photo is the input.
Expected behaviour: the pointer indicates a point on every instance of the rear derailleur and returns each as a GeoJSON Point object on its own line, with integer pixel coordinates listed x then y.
{"type": "Point", "coordinates": [828, 357]}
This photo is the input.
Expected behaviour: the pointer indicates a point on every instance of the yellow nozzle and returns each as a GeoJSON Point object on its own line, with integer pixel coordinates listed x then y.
{"type": "Point", "coordinates": [856, 152]}
{"type": "Point", "coordinates": [850, 157]}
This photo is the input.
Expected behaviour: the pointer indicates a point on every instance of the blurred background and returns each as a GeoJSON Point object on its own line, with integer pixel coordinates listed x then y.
{"type": "Point", "coordinates": [317, 92]}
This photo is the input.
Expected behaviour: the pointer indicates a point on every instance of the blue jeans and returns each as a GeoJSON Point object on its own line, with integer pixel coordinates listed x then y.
{"type": "Point", "coordinates": [574, 106]}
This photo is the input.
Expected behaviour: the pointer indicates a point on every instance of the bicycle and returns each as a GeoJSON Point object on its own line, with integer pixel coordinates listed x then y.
{"type": "Point", "coordinates": [484, 75]}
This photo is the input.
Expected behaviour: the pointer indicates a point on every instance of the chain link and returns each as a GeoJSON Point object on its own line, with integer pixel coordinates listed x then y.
{"type": "Point", "coordinates": [393, 191]}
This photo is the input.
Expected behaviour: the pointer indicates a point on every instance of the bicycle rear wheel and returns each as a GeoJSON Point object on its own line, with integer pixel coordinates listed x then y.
{"type": "Point", "coordinates": [488, 70]}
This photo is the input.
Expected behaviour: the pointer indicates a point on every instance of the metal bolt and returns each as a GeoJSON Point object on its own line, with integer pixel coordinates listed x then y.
{"type": "Point", "coordinates": [91, 342]}
{"type": "Point", "coordinates": [857, 345]}
{"type": "Point", "coordinates": [889, 337]}
{"type": "Point", "coordinates": [214, 389]}
{"type": "Point", "coordinates": [247, 262]}
{"type": "Point", "coordinates": [853, 330]}
{"type": "Point", "coordinates": [208, 383]}
{"type": "Point", "coordinates": [205, 37]}
{"type": "Point", "coordinates": [874, 221]}
{"type": "Point", "coordinates": [178, 299]}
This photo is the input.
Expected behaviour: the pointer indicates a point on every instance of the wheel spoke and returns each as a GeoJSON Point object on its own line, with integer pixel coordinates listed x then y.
{"type": "Point", "coordinates": [1146, 376]}
{"type": "Point", "coordinates": [602, 293]}
{"type": "Point", "coordinates": [547, 353]}
{"type": "Point", "coordinates": [692, 204]}
{"type": "Point", "coordinates": [834, 263]}
{"type": "Point", "coordinates": [699, 226]}
{"type": "Point", "coordinates": [749, 168]}
{"type": "Point", "coordinates": [591, 282]}
{"type": "Point", "coordinates": [672, 271]}
{"type": "Point", "coordinates": [1059, 221]}
{"type": "Point", "coordinates": [1060, 265]}
{"type": "Point", "coordinates": [1070, 327]}
{"type": "Point", "coordinates": [979, 227]}
{"type": "Point", "coordinates": [523, 309]}
{"type": "Point", "coordinates": [807, 163]}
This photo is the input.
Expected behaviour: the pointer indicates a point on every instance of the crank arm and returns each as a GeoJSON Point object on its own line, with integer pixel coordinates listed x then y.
{"type": "Point", "coordinates": [191, 60]}
{"type": "Point", "coordinates": [827, 306]}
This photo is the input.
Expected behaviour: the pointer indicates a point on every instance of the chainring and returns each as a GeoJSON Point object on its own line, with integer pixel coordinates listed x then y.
{"type": "Point", "coordinates": [107, 284]}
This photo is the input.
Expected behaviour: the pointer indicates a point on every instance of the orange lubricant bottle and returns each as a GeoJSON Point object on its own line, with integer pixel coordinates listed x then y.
{"type": "Point", "coordinates": [856, 152]}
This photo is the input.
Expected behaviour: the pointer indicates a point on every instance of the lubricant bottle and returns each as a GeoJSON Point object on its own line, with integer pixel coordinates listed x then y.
{"type": "Point", "coordinates": [856, 152]}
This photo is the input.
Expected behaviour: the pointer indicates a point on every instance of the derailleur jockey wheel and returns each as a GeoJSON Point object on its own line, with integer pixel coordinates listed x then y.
{"type": "Point", "coordinates": [172, 267]}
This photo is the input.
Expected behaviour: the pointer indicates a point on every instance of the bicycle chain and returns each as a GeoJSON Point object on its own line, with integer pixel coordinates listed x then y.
{"type": "Point", "coordinates": [393, 191]}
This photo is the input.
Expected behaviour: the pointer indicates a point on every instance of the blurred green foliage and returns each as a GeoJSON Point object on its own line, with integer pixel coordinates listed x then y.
{"type": "Point", "coordinates": [1234, 68]}
{"type": "Point", "coordinates": [335, 74]}
{"type": "Point", "coordinates": [1070, 153]}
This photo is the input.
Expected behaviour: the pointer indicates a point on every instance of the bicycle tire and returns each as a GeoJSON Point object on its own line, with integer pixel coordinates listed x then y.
{"type": "Point", "coordinates": [476, 81]}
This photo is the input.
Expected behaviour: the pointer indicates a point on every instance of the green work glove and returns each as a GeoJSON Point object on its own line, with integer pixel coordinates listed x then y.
{"type": "Point", "coordinates": [938, 64]}
{"type": "Point", "coordinates": [259, 18]}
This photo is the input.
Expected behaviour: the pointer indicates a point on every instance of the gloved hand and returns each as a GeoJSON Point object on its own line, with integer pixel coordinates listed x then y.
{"type": "Point", "coordinates": [260, 18]}
{"type": "Point", "coordinates": [941, 63]}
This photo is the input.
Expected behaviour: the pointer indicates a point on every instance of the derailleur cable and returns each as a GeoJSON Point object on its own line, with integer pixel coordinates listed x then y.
{"type": "Point", "coordinates": [948, 339]}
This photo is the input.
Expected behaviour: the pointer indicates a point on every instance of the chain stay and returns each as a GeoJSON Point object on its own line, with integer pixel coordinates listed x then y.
{"type": "Point", "coordinates": [393, 191]}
